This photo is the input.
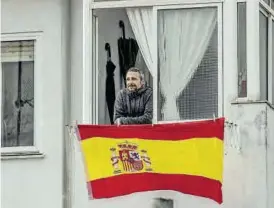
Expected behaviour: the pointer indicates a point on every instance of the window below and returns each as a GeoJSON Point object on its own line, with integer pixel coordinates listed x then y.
{"type": "Point", "coordinates": [17, 120]}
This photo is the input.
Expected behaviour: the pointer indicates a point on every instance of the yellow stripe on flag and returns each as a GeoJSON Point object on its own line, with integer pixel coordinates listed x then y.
{"type": "Point", "coordinates": [197, 156]}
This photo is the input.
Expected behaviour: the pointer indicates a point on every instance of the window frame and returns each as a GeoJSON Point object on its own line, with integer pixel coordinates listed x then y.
{"type": "Point", "coordinates": [105, 4]}
{"type": "Point", "coordinates": [268, 11]}
{"type": "Point", "coordinates": [220, 57]}
{"type": "Point", "coordinates": [36, 147]}
{"type": "Point", "coordinates": [95, 73]}
{"type": "Point", "coordinates": [157, 5]}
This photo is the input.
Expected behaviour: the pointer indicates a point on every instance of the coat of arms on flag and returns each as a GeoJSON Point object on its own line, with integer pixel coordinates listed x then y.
{"type": "Point", "coordinates": [127, 158]}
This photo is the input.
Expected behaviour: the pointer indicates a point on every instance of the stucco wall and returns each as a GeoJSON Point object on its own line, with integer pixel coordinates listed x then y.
{"type": "Point", "coordinates": [270, 156]}
{"type": "Point", "coordinates": [245, 171]}
{"type": "Point", "coordinates": [37, 182]}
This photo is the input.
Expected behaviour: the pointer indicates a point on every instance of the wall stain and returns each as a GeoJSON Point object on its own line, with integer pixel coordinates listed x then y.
{"type": "Point", "coordinates": [260, 120]}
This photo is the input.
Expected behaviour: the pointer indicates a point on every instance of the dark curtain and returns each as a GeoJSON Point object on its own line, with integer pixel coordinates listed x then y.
{"type": "Point", "coordinates": [110, 89]}
{"type": "Point", "coordinates": [127, 50]}
{"type": "Point", "coordinates": [110, 85]}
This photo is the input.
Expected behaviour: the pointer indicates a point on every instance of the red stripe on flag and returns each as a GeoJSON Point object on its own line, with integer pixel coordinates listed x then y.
{"type": "Point", "coordinates": [176, 131]}
{"type": "Point", "coordinates": [140, 182]}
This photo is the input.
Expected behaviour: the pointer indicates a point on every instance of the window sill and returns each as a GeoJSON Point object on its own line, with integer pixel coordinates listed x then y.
{"type": "Point", "coordinates": [247, 101]}
{"type": "Point", "coordinates": [21, 155]}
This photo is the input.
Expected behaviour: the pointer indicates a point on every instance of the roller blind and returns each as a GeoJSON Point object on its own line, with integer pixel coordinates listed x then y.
{"type": "Point", "coordinates": [15, 51]}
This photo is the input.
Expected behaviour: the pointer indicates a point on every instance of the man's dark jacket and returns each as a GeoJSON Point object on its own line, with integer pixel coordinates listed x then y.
{"type": "Point", "coordinates": [134, 107]}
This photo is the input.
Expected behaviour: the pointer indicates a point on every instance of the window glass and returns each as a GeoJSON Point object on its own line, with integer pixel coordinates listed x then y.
{"type": "Point", "coordinates": [272, 63]}
{"type": "Point", "coordinates": [241, 40]}
{"type": "Point", "coordinates": [17, 59]}
{"type": "Point", "coordinates": [187, 64]}
{"type": "Point", "coordinates": [267, 1]}
{"type": "Point", "coordinates": [264, 56]}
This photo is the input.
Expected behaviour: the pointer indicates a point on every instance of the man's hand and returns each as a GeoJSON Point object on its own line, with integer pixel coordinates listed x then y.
{"type": "Point", "coordinates": [118, 121]}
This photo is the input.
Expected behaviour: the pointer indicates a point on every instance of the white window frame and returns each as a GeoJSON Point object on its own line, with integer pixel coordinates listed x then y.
{"type": "Point", "coordinates": [36, 149]}
{"type": "Point", "coordinates": [220, 58]}
{"type": "Point", "coordinates": [253, 52]}
{"type": "Point", "coordinates": [146, 3]}
{"type": "Point", "coordinates": [95, 72]}
{"type": "Point", "coordinates": [157, 5]}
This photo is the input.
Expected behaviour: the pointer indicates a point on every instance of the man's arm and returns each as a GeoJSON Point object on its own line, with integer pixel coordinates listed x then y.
{"type": "Point", "coordinates": [119, 111]}
{"type": "Point", "coordinates": [144, 119]}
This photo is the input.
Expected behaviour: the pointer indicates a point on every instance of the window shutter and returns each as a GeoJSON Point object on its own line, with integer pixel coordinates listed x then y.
{"type": "Point", "coordinates": [15, 51]}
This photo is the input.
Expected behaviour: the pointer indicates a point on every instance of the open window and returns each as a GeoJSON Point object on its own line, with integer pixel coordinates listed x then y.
{"type": "Point", "coordinates": [118, 50]}
{"type": "Point", "coordinates": [179, 48]}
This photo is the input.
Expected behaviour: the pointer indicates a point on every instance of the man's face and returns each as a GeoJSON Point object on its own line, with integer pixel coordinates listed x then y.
{"type": "Point", "coordinates": [133, 81]}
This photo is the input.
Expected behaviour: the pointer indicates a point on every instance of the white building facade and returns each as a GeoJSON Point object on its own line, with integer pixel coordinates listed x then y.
{"type": "Point", "coordinates": [203, 59]}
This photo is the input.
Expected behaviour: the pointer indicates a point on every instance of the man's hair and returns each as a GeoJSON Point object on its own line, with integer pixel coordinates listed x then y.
{"type": "Point", "coordinates": [135, 69]}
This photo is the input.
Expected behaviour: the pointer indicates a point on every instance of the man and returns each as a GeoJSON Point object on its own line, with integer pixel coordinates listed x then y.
{"type": "Point", "coordinates": [134, 104]}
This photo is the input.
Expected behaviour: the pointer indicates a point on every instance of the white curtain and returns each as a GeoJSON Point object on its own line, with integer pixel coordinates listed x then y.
{"type": "Point", "coordinates": [140, 63]}
{"type": "Point", "coordinates": [141, 23]}
{"type": "Point", "coordinates": [183, 37]}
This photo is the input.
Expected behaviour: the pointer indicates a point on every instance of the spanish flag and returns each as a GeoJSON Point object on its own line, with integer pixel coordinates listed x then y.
{"type": "Point", "coordinates": [183, 157]}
